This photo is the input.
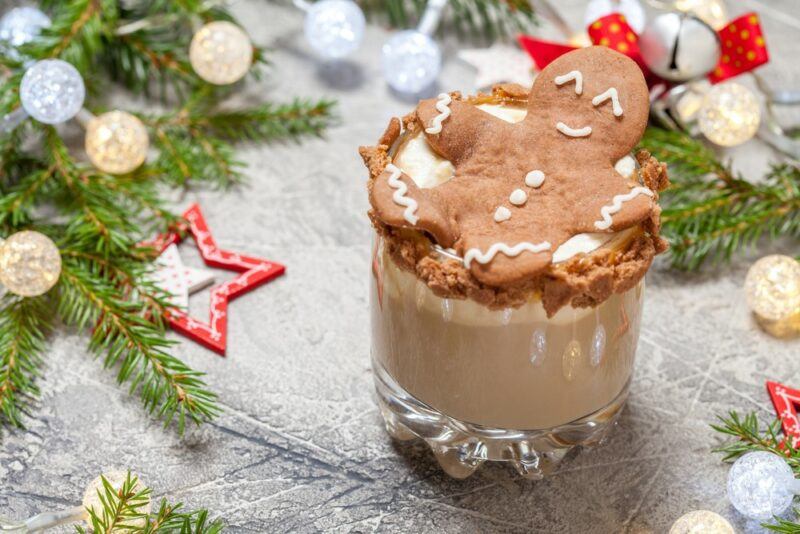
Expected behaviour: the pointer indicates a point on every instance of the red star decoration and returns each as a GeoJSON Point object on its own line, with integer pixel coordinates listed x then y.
{"type": "Point", "coordinates": [785, 401]}
{"type": "Point", "coordinates": [254, 272]}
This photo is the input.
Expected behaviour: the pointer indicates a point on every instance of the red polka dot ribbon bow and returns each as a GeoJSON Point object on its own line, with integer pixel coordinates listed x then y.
{"type": "Point", "coordinates": [743, 46]}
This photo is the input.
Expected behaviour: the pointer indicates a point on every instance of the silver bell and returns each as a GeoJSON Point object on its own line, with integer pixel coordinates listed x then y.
{"type": "Point", "coordinates": [679, 47]}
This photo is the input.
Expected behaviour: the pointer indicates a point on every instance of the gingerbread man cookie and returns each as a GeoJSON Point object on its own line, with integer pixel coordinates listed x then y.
{"type": "Point", "coordinates": [521, 190]}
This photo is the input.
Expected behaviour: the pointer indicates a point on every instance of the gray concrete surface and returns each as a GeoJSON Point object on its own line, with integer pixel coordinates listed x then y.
{"type": "Point", "coordinates": [300, 446]}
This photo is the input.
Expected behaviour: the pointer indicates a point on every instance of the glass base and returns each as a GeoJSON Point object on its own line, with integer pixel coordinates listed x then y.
{"type": "Point", "coordinates": [461, 448]}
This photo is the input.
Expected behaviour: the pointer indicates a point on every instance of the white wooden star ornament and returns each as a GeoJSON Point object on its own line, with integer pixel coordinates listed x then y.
{"type": "Point", "coordinates": [499, 63]}
{"type": "Point", "coordinates": [178, 280]}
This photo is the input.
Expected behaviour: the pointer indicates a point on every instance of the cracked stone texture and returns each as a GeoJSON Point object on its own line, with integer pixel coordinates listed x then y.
{"type": "Point", "coordinates": [300, 446]}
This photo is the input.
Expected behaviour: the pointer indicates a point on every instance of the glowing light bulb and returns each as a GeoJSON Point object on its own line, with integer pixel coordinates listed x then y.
{"type": "Point", "coordinates": [334, 28]}
{"type": "Point", "coordinates": [730, 114]}
{"type": "Point", "coordinates": [52, 91]}
{"type": "Point", "coordinates": [772, 288]}
{"type": "Point", "coordinates": [701, 522]}
{"type": "Point", "coordinates": [30, 264]}
{"type": "Point", "coordinates": [712, 12]}
{"type": "Point", "coordinates": [221, 53]}
{"type": "Point", "coordinates": [761, 485]}
{"type": "Point", "coordinates": [116, 142]}
{"type": "Point", "coordinates": [22, 25]}
{"type": "Point", "coordinates": [411, 61]}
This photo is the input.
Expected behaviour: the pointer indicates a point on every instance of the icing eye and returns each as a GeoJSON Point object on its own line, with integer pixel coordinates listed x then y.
{"type": "Point", "coordinates": [611, 94]}
{"type": "Point", "coordinates": [570, 76]}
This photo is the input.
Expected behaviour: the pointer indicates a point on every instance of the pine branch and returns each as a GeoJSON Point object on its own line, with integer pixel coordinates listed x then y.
{"type": "Point", "coordinates": [268, 122]}
{"type": "Point", "coordinates": [194, 142]}
{"type": "Point", "coordinates": [489, 19]}
{"type": "Point", "coordinates": [784, 526]}
{"type": "Point", "coordinates": [97, 219]}
{"type": "Point", "coordinates": [171, 518]}
{"type": "Point", "coordinates": [710, 214]}
{"type": "Point", "coordinates": [76, 33]}
{"type": "Point", "coordinates": [124, 329]}
{"type": "Point", "coordinates": [24, 324]}
{"type": "Point", "coordinates": [749, 436]}
{"type": "Point", "coordinates": [123, 511]}
{"type": "Point", "coordinates": [122, 508]}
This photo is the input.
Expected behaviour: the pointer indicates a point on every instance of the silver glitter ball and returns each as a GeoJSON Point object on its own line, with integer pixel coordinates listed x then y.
{"type": "Point", "coordinates": [22, 24]}
{"type": "Point", "coordinates": [679, 47]}
{"type": "Point", "coordinates": [52, 91]}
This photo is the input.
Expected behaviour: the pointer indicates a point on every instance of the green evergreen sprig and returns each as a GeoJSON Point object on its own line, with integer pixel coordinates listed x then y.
{"type": "Point", "coordinates": [124, 510]}
{"type": "Point", "coordinates": [488, 19]}
{"type": "Point", "coordinates": [98, 220]}
{"type": "Point", "coordinates": [748, 435]}
{"type": "Point", "coordinates": [710, 213]}
{"type": "Point", "coordinates": [24, 325]}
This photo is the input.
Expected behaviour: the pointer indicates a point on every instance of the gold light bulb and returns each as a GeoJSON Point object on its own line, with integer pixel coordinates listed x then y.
{"type": "Point", "coordinates": [116, 142]}
{"type": "Point", "coordinates": [772, 288]}
{"type": "Point", "coordinates": [712, 12]}
{"type": "Point", "coordinates": [30, 264]}
{"type": "Point", "coordinates": [701, 522]}
{"type": "Point", "coordinates": [730, 114]}
{"type": "Point", "coordinates": [221, 53]}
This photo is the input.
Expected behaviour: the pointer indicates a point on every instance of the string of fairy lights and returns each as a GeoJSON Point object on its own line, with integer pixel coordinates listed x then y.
{"type": "Point", "coordinates": [52, 91]}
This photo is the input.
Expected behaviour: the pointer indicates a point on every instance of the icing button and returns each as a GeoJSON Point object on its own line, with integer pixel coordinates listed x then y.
{"type": "Point", "coordinates": [534, 178]}
{"type": "Point", "coordinates": [518, 197]}
{"type": "Point", "coordinates": [502, 214]}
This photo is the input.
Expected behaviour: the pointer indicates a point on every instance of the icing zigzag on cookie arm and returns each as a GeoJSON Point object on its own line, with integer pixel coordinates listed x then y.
{"type": "Point", "coordinates": [616, 204]}
{"type": "Point", "coordinates": [444, 112]}
{"type": "Point", "coordinates": [400, 195]}
{"type": "Point", "coordinates": [510, 251]}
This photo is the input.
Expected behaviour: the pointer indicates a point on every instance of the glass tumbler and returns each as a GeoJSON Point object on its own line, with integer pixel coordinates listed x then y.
{"type": "Point", "coordinates": [506, 385]}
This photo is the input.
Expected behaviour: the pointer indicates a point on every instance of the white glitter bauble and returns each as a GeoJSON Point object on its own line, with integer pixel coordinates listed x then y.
{"type": "Point", "coordinates": [631, 9]}
{"type": "Point", "coordinates": [91, 500]}
{"type": "Point", "coordinates": [52, 91]}
{"type": "Point", "coordinates": [411, 61]}
{"type": "Point", "coordinates": [759, 485]}
{"type": "Point", "coordinates": [334, 28]}
{"type": "Point", "coordinates": [701, 522]}
{"type": "Point", "coordinates": [30, 263]}
{"type": "Point", "coordinates": [221, 53]}
{"type": "Point", "coordinates": [730, 114]}
{"type": "Point", "coordinates": [22, 24]}
{"type": "Point", "coordinates": [116, 142]}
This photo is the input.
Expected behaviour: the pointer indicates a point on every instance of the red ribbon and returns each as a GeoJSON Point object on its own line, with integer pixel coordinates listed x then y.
{"type": "Point", "coordinates": [743, 46]}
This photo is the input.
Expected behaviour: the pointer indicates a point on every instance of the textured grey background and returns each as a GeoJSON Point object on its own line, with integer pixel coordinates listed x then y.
{"type": "Point", "coordinates": [301, 446]}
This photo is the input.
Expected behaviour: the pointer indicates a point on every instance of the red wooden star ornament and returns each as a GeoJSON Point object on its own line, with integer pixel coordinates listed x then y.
{"type": "Point", "coordinates": [786, 401]}
{"type": "Point", "coordinates": [254, 272]}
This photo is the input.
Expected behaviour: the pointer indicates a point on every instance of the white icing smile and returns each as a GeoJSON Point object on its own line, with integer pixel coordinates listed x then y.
{"type": "Point", "coordinates": [573, 132]}
{"type": "Point", "coordinates": [444, 112]}
{"type": "Point", "coordinates": [483, 258]}
{"type": "Point", "coordinates": [399, 196]}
